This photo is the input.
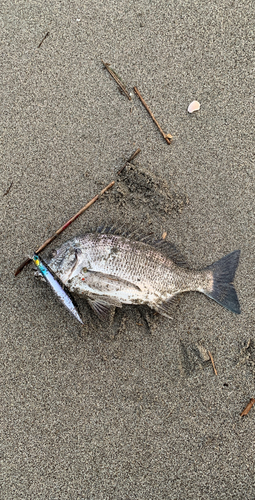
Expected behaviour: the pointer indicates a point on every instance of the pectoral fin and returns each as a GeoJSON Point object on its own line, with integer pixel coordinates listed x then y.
{"type": "Point", "coordinates": [102, 310]}
{"type": "Point", "coordinates": [104, 307]}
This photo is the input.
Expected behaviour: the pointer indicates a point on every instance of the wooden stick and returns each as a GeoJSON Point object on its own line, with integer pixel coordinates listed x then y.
{"type": "Point", "coordinates": [211, 358]}
{"type": "Point", "coordinates": [129, 160]}
{"type": "Point", "coordinates": [167, 137]}
{"type": "Point", "coordinates": [117, 80]}
{"type": "Point", "coordinates": [62, 228]}
{"type": "Point", "coordinates": [248, 407]}
{"type": "Point", "coordinates": [44, 38]}
{"type": "Point", "coordinates": [8, 190]}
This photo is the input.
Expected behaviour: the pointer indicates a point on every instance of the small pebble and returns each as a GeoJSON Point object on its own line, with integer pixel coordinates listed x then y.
{"type": "Point", "coordinates": [194, 106]}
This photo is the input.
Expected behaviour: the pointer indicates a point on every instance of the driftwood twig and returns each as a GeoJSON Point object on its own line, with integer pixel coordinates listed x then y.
{"type": "Point", "coordinates": [129, 160]}
{"type": "Point", "coordinates": [211, 358]}
{"type": "Point", "coordinates": [248, 407]}
{"type": "Point", "coordinates": [44, 38]}
{"type": "Point", "coordinates": [8, 190]}
{"type": "Point", "coordinates": [62, 228]}
{"type": "Point", "coordinates": [117, 80]}
{"type": "Point", "coordinates": [167, 137]}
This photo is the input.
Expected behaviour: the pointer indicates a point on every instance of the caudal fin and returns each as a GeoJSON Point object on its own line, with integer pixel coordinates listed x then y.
{"type": "Point", "coordinates": [223, 276]}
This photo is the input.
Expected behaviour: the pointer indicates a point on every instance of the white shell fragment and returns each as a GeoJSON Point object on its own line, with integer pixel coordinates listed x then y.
{"type": "Point", "coordinates": [194, 106]}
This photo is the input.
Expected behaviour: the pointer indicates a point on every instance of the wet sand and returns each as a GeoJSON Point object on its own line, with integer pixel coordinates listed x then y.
{"type": "Point", "coordinates": [135, 410]}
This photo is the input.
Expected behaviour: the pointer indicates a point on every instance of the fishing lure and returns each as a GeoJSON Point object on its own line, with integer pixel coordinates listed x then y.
{"type": "Point", "coordinates": [55, 285]}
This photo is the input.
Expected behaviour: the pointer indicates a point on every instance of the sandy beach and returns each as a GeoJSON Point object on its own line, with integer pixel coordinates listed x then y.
{"type": "Point", "coordinates": [133, 410]}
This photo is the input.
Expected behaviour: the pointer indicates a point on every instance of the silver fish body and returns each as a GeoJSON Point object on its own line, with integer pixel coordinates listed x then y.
{"type": "Point", "coordinates": [110, 269]}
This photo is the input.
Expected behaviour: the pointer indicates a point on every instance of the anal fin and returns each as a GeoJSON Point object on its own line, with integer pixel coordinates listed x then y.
{"type": "Point", "coordinates": [167, 307]}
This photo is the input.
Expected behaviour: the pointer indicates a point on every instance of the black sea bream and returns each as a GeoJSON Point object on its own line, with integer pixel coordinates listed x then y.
{"type": "Point", "coordinates": [110, 269]}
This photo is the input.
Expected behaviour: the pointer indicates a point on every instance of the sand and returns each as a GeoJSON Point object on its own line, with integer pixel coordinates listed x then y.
{"type": "Point", "coordinates": [132, 411]}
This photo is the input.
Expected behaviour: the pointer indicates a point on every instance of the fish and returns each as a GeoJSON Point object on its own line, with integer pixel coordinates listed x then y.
{"type": "Point", "coordinates": [111, 267]}
{"type": "Point", "coordinates": [56, 286]}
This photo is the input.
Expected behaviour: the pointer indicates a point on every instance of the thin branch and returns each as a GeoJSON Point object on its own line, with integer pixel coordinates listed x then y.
{"type": "Point", "coordinates": [129, 160]}
{"type": "Point", "coordinates": [44, 38]}
{"type": "Point", "coordinates": [248, 407]}
{"type": "Point", "coordinates": [62, 228]}
{"type": "Point", "coordinates": [167, 137]}
{"type": "Point", "coordinates": [211, 358]}
{"type": "Point", "coordinates": [117, 79]}
{"type": "Point", "coordinates": [8, 190]}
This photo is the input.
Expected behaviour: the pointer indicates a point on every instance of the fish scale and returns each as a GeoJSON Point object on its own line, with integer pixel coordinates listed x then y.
{"type": "Point", "coordinates": [129, 262]}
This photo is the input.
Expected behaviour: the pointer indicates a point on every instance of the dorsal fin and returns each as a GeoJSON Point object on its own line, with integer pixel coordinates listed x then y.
{"type": "Point", "coordinates": [170, 250]}
{"type": "Point", "coordinates": [130, 232]}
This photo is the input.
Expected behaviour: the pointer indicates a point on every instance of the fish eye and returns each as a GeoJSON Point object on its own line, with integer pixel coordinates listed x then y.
{"type": "Point", "coordinates": [85, 270]}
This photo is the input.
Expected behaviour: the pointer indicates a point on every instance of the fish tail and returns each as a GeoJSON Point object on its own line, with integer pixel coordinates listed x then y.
{"type": "Point", "coordinates": [223, 290]}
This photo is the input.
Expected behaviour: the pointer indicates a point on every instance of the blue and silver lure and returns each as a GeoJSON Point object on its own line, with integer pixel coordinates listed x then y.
{"type": "Point", "coordinates": [60, 292]}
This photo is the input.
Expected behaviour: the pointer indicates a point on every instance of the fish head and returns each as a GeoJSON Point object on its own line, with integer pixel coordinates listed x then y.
{"type": "Point", "coordinates": [64, 261]}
